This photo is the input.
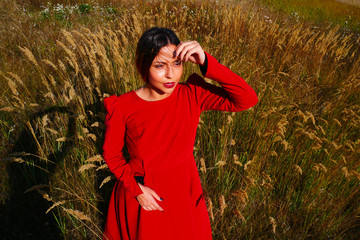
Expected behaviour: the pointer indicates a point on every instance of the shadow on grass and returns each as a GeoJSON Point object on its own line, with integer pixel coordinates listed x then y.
{"type": "Point", "coordinates": [23, 214]}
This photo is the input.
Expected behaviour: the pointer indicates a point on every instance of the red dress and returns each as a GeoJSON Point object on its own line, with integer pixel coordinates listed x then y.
{"type": "Point", "coordinates": [160, 136]}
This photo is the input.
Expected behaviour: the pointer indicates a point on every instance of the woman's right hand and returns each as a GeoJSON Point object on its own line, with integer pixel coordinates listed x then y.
{"type": "Point", "coordinates": [148, 198]}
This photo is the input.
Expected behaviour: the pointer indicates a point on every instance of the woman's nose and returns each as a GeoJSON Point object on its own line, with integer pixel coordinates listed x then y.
{"type": "Point", "coordinates": [169, 72]}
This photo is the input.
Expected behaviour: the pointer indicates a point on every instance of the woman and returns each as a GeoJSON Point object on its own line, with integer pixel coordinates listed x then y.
{"type": "Point", "coordinates": [158, 194]}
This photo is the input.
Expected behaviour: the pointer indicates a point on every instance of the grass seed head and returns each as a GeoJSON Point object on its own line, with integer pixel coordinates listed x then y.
{"type": "Point", "coordinates": [273, 224]}
{"type": "Point", "coordinates": [222, 204]}
{"type": "Point", "coordinates": [203, 165]}
{"type": "Point", "coordinates": [298, 169]}
{"type": "Point", "coordinates": [106, 180]}
{"type": "Point", "coordinates": [78, 214]}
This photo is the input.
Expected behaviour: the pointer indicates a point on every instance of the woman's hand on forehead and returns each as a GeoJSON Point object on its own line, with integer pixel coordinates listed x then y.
{"type": "Point", "coordinates": [190, 50]}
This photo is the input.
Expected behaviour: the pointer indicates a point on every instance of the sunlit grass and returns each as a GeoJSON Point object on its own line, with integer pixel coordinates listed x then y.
{"type": "Point", "coordinates": [286, 169]}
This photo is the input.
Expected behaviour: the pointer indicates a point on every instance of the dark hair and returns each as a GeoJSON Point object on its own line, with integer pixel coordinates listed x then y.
{"type": "Point", "coordinates": [149, 46]}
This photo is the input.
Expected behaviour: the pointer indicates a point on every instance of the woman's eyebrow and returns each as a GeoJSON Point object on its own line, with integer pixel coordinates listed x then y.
{"type": "Point", "coordinates": [163, 62]}
{"type": "Point", "coordinates": [160, 62]}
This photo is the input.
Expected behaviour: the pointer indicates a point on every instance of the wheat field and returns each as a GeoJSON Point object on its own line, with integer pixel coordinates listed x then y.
{"type": "Point", "coordinates": [287, 168]}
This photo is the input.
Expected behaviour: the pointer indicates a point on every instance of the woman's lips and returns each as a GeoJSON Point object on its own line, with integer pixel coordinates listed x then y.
{"type": "Point", "coordinates": [169, 84]}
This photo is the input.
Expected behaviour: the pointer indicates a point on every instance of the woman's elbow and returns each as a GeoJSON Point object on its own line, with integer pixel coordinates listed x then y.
{"type": "Point", "coordinates": [249, 102]}
{"type": "Point", "coordinates": [253, 100]}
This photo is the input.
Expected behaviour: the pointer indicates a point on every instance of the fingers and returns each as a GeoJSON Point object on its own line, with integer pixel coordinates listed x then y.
{"type": "Point", "coordinates": [183, 48]}
{"type": "Point", "coordinates": [154, 194]}
{"type": "Point", "coordinates": [190, 50]}
{"type": "Point", "coordinates": [147, 200]}
{"type": "Point", "coordinates": [156, 206]}
{"type": "Point", "coordinates": [152, 205]}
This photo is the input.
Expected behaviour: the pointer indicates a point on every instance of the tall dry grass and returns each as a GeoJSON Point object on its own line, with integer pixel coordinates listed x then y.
{"type": "Point", "coordinates": [287, 168]}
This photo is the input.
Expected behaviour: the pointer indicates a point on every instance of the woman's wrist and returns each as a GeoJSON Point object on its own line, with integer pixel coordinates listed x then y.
{"type": "Point", "coordinates": [203, 67]}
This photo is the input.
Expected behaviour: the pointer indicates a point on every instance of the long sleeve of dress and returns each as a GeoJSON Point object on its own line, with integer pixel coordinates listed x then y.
{"type": "Point", "coordinates": [113, 145]}
{"type": "Point", "coordinates": [233, 95]}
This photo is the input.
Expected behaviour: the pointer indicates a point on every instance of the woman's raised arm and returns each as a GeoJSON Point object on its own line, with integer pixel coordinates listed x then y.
{"type": "Point", "coordinates": [234, 94]}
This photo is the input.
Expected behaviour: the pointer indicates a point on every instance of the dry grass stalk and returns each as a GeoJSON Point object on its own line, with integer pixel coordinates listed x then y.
{"type": "Point", "coordinates": [72, 93]}
{"type": "Point", "coordinates": [45, 120]}
{"type": "Point", "coordinates": [81, 117]}
{"type": "Point", "coordinates": [55, 205]}
{"type": "Point", "coordinates": [51, 96]}
{"type": "Point", "coordinates": [106, 180]}
{"type": "Point", "coordinates": [78, 214]}
{"type": "Point", "coordinates": [337, 122]}
{"type": "Point", "coordinates": [203, 165]}
{"type": "Point", "coordinates": [39, 146]}
{"type": "Point", "coordinates": [273, 153]}
{"type": "Point", "coordinates": [85, 130]}
{"type": "Point", "coordinates": [34, 105]}
{"type": "Point", "coordinates": [247, 164]}
{"type": "Point", "coordinates": [17, 78]}
{"type": "Point", "coordinates": [86, 167]}
{"type": "Point", "coordinates": [92, 136]}
{"type": "Point", "coordinates": [267, 185]}
{"type": "Point", "coordinates": [44, 195]}
{"type": "Point", "coordinates": [345, 172]}
{"type": "Point", "coordinates": [229, 119]}
{"type": "Point", "coordinates": [318, 166]}
{"type": "Point", "coordinates": [222, 204]}
{"type": "Point", "coordinates": [13, 159]}
{"type": "Point", "coordinates": [52, 131]}
{"type": "Point", "coordinates": [61, 139]}
{"type": "Point", "coordinates": [239, 215]}
{"type": "Point", "coordinates": [236, 160]}
{"type": "Point", "coordinates": [69, 38]}
{"type": "Point", "coordinates": [95, 124]}
{"type": "Point", "coordinates": [36, 187]}
{"type": "Point", "coordinates": [220, 163]}
{"type": "Point", "coordinates": [298, 169]}
{"type": "Point", "coordinates": [62, 66]}
{"type": "Point", "coordinates": [96, 158]}
{"type": "Point", "coordinates": [7, 109]}
{"type": "Point", "coordinates": [311, 116]}
{"type": "Point", "coordinates": [356, 174]}
{"type": "Point", "coordinates": [103, 166]}
{"type": "Point", "coordinates": [210, 208]}
{"type": "Point", "coordinates": [273, 224]}
{"type": "Point", "coordinates": [72, 57]}
{"type": "Point", "coordinates": [21, 103]}
{"type": "Point", "coordinates": [86, 81]}
{"type": "Point", "coordinates": [51, 64]}
{"type": "Point", "coordinates": [241, 195]}
{"type": "Point", "coordinates": [286, 145]}
{"type": "Point", "coordinates": [266, 177]}
{"type": "Point", "coordinates": [12, 87]}
{"type": "Point", "coordinates": [249, 180]}
{"type": "Point", "coordinates": [29, 55]}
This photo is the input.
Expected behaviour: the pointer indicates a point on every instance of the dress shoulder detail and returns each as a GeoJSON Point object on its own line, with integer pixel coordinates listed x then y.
{"type": "Point", "coordinates": [109, 103]}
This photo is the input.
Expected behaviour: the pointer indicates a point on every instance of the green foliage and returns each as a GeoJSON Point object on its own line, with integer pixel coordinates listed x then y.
{"type": "Point", "coordinates": [84, 8]}
{"type": "Point", "coordinates": [319, 11]}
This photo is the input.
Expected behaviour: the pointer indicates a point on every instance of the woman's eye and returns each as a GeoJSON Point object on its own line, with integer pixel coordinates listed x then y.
{"type": "Point", "coordinates": [159, 66]}
{"type": "Point", "coordinates": [177, 63]}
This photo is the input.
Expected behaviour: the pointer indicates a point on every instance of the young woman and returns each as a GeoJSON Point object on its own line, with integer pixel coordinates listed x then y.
{"type": "Point", "coordinates": [158, 194]}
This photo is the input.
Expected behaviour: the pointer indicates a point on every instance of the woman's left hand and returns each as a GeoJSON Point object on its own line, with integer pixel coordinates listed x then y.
{"type": "Point", "coordinates": [190, 50]}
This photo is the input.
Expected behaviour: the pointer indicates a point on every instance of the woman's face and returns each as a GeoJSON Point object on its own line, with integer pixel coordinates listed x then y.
{"type": "Point", "coordinates": [164, 73]}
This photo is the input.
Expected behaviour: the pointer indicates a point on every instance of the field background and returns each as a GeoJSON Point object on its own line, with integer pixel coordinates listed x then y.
{"type": "Point", "coordinates": [288, 168]}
